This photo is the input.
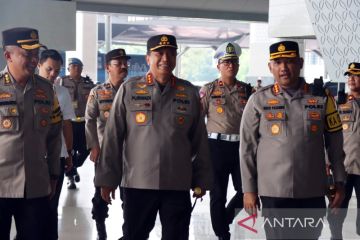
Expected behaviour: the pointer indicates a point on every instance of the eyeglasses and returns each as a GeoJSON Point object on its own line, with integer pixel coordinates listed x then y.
{"type": "Point", "coordinates": [227, 63]}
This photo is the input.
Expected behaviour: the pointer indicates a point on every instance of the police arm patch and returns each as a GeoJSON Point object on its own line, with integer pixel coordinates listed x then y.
{"type": "Point", "coordinates": [56, 115]}
{"type": "Point", "coordinates": [333, 120]}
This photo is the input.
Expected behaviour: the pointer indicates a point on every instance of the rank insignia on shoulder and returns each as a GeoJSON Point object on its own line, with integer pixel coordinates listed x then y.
{"type": "Point", "coordinates": [140, 117]}
{"type": "Point", "coordinates": [345, 126]}
{"type": "Point", "coordinates": [219, 110]}
{"type": "Point", "coordinates": [7, 79]}
{"type": "Point", "coordinates": [106, 114]}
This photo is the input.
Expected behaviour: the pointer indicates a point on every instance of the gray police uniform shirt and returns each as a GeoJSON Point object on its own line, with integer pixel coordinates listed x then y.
{"type": "Point", "coordinates": [30, 129]}
{"type": "Point", "coordinates": [97, 112]}
{"type": "Point", "coordinates": [155, 139]}
{"type": "Point", "coordinates": [224, 107]}
{"type": "Point", "coordinates": [282, 142]}
{"type": "Point", "coordinates": [79, 92]}
{"type": "Point", "coordinates": [350, 116]}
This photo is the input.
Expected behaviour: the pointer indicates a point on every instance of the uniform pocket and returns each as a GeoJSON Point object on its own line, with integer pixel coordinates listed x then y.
{"type": "Point", "coordinates": [42, 113]}
{"type": "Point", "coordinates": [275, 123]}
{"type": "Point", "coordinates": [9, 118]}
{"type": "Point", "coordinates": [314, 122]}
{"type": "Point", "coordinates": [141, 113]}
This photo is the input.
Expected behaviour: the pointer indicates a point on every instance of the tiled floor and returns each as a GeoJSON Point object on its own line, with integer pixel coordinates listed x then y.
{"type": "Point", "coordinates": [75, 222]}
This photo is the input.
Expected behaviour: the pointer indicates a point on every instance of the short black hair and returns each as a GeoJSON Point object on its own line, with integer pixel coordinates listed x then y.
{"type": "Point", "coordinates": [50, 53]}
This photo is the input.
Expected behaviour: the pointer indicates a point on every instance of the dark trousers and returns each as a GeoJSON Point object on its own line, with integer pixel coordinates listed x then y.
{"type": "Point", "coordinates": [54, 203]}
{"type": "Point", "coordinates": [141, 207]}
{"type": "Point", "coordinates": [336, 221]}
{"type": "Point", "coordinates": [100, 207]}
{"type": "Point", "coordinates": [79, 145]}
{"type": "Point", "coordinates": [31, 217]}
{"type": "Point", "coordinates": [225, 159]}
{"type": "Point", "coordinates": [277, 210]}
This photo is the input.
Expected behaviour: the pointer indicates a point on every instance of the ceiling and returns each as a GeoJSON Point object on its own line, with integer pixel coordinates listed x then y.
{"type": "Point", "coordinates": [244, 10]}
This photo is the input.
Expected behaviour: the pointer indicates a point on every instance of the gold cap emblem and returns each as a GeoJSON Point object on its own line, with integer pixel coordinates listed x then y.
{"type": "Point", "coordinates": [281, 48]}
{"type": "Point", "coordinates": [352, 66]}
{"type": "Point", "coordinates": [33, 35]}
{"type": "Point", "coordinates": [230, 48]}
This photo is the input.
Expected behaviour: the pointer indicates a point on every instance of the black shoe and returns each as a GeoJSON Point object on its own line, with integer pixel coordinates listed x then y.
{"type": "Point", "coordinates": [77, 177]}
{"type": "Point", "coordinates": [71, 184]}
{"type": "Point", "coordinates": [101, 229]}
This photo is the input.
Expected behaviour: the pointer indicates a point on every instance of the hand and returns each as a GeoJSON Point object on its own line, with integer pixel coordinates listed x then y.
{"type": "Point", "coordinates": [339, 196]}
{"type": "Point", "coordinates": [68, 163]}
{"type": "Point", "coordinates": [94, 154]}
{"type": "Point", "coordinates": [105, 194]}
{"type": "Point", "coordinates": [198, 192]}
{"type": "Point", "coordinates": [251, 203]}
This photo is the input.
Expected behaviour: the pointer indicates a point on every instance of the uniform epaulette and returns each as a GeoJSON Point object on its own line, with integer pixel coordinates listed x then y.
{"type": "Point", "coordinates": [107, 85]}
{"type": "Point", "coordinates": [41, 79]}
{"type": "Point", "coordinates": [87, 79]}
{"type": "Point", "coordinates": [263, 89]}
{"type": "Point", "coordinates": [135, 79]}
{"type": "Point", "coordinates": [317, 90]}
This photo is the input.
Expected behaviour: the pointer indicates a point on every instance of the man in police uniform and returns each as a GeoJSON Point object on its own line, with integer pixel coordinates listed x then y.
{"type": "Point", "coordinates": [284, 131]}
{"type": "Point", "coordinates": [350, 116]}
{"type": "Point", "coordinates": [79, 88]}
{"type": "Point", "coordinates": [29, 110]}
{"type": "Point", "coordinates": [97, 112]}
{"type": "Point", "coordinates": [155, 145]}
{"type": "Point", "coordinates": [223, 102]}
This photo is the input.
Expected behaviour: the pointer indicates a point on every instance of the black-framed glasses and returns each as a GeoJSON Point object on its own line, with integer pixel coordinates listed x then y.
{"type": "Point", "coordinates": [228, 62]}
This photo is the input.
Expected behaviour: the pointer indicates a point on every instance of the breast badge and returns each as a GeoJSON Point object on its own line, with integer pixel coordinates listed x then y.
{"type": "Point", "coordinates": [181, 120]}
{"type": "Point", "coordinates": [345, 126]}
{"type": "Point", "coordinates": [140, 117]}
{"type": "Point", "coordinates": [275, 129]}
{"type": "Point", "coordinates": [314, 128]}
{"type": "Point", "coordinates": [6, 123]}
{"type": "Point", "coordinates": [219, 110]}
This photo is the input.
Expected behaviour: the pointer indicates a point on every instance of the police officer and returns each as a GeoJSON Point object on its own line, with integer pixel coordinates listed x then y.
{"type": "Point", "coordinates": [284, 130]}
{"type": "Point", "coordinates": [97, 112]}
{"type": "Point", "coordinates": [28, 110]}
{"type": "Point", "coordinates": [350, 116]}
{"type": "Point", "coordinates": [79, 88]}
{"type": "Point", "coordinates": [155, 145]}
{"type": "Point", "coordinates": [49, 67]}
{"type": "Point", "coordinates": [223, 102]}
